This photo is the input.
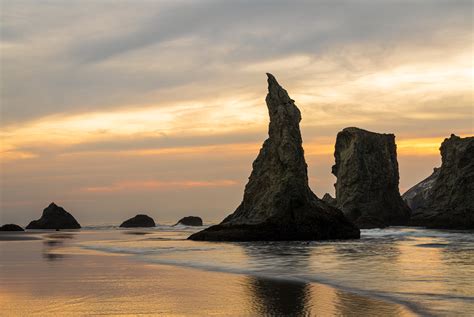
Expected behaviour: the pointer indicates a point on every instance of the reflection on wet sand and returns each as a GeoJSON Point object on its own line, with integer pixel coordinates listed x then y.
{"type": "Point", "coordinates": [273, 297]}
{"type": "Point", "coordinates": [279, 298]}
{"type": "Point", "coordinates": [34, 282]}
{"type": "Point", "coordinates": [53, 256]}
{"type": "Point", "coordinates": [52, 244]}
{"type": "Point", "coordinates": [137, 233]}
{"type": "Point", "coordinates": [431, 257]}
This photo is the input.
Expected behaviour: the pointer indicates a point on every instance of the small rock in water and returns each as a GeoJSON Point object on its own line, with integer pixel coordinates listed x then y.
{"type": "Point", "coordinates": [190, 221]}
{"type": "Point", "coordinates": [138, 221]}
{"type": "Point", "coordinates": [11, 227]}
{"type": "Point", "coordinates": [54, 217]}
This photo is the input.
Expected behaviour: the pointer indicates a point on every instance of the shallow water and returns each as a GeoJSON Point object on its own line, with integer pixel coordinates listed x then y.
{"type": "Point", "coordinates": [53, 275]}
{"type": "Point", "coordinates": [429, 271]}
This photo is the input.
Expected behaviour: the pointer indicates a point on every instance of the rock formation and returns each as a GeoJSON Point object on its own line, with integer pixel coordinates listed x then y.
{"type": "Point", "coordinates": [278, 203]}
{"type": "Point", "coordinates": [190, 221]}
{"type": "Point", "coordinates": [54, 217]}
{"type": "Point", "coordinates": [446, 198]}
{"type": "Point", "coordinates": [330, 200]}
{"type": "Point", "coordinates": [11, 227]}
{"type": "Point", "coordinates": [138, 221]}
{"type": "Point", "coordinates": [367, 179]}
{"type": "Point", "coordinates": [417, 197]}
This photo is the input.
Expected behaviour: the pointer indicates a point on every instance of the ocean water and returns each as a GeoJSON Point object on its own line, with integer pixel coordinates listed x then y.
{"type": "Point", "coordinates": [429, 271]}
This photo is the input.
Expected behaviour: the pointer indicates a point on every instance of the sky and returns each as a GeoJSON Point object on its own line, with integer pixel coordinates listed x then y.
{"type": "Point", "coordinates": [112, 108]}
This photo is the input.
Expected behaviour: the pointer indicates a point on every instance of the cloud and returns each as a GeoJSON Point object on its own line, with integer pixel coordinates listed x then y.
{"type": "Point", "coordinates": [129, 98]}
{"type": "Point", "coordinates": [157, 185]}
{"type": "Point", "coordinates": [67, 57]}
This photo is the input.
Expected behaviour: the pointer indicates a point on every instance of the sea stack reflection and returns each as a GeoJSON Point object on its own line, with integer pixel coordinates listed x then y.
{"type": "Point", "coordinates": [278, 203]}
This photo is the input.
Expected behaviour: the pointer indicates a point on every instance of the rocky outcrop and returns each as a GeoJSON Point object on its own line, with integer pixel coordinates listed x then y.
{"type": "Point", "coordinates": [327, 198]}
{"type": "Point", "coordinates": [54, 217]}
{"type": "Point", "coordinates": [446, 199]}
{"type": "Point", "coordinates": [11, 227]}
{"type": "Point", "coordinates": [417, 197]}
{"type": "Point", "coordinates": [278, 203]}
{"type": "Point", "coordinates": [190, 221]}
{"type": "Point", "coordinates": [138, 221]}
{"type": "Point", "coordinates": [367, 179]}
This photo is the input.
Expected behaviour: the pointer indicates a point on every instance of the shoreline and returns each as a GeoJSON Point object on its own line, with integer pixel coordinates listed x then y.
{"type": "Point", "coordinates": [411, 307]}
{"type": "Point", "coordinates": [55, 275]}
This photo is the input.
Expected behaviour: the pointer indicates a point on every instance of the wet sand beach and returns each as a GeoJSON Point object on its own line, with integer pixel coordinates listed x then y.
{"type": "Point", "coordinates": [52, 276]}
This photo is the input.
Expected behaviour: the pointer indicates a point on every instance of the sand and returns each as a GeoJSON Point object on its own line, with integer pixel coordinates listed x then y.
{"type": "Point", "coordinates": [52, 277]}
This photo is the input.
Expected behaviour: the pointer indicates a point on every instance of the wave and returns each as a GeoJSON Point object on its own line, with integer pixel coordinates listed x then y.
{"type": "Point", "coordinates": [157, 227]}
{"type": "Point", "coordinates": [401, 232]}
{"type": "Point", "coordinates": [348, 265]}
{"type": "Point", "coordinates": [145, 251]}
{"type": "Point", "coordinates": [301, 278]}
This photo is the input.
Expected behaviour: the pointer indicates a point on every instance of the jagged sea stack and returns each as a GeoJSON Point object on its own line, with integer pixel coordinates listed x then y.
{"type": "Point", "coordinates": [278, 203]}
{"type": "Point", "coordinates": [367, 179]}
{"type": "Point", "coordinates": [446, 198]}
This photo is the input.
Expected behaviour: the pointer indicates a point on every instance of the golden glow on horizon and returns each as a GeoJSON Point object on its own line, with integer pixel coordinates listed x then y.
{"type": "Point", "coordinates": [157, 184]}
{"type": "Point", "coordinates": [232, 149]}
{"type": "Point", "coordinates": [408, 147]}
{"type": "Point", "coordinates": [377, 91]}
{"type": "Point", "coordinates": [172, 139]}
{"type": "Point", "coordinates": [142, 122]}
{"type": "Point", "coordinates": [419, 146]}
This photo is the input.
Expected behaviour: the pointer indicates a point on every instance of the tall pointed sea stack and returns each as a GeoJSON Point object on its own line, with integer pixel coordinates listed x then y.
{"type": "Point", "coordinates": [367, 179]}
{"type": "Point", "coordinates": [278, 203]}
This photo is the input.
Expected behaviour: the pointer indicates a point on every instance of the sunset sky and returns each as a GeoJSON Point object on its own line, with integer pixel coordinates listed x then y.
{"type": "Point", "coordinates": [111, 108]}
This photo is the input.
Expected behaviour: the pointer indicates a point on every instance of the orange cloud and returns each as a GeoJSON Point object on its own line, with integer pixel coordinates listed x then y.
{"type": "Point", "coordinates": [190, 150]}
{"type": "Point", "coordinates": [422, 146]}
{"type": "Point", "coordinates": [157, 184]}
{"type": "Point", "coordinates": [409, 146]}
{"type": "Point", "coordinates": [7, 156]}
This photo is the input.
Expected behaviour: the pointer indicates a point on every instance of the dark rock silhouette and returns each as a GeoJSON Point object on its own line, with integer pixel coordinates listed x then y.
{"type": "Point", "coordinates": [190, 221]}
{"type": "Point", "coordinates": [11, 227]}
{"type": "Point", "coordinates": [278, 203]}
{"type": "Point", "coordinates": [446, 198]}
{"type": "Point", "coordinates": [330, 200]}
{"type": "Point", "coordinates": [417, 197]}
{"type": "Point", "coordinates": [138, 221]}
{"type": "Point", "coordinates": [54, 217]}
{"type": "Point", "coordinates": [367, 179]}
